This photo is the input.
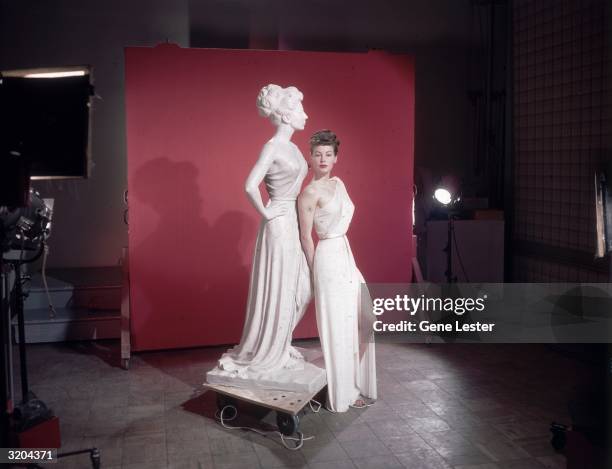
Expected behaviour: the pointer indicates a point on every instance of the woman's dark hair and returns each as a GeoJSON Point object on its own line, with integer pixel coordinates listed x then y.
{"type": "Point", "coordinates": [324, 137]}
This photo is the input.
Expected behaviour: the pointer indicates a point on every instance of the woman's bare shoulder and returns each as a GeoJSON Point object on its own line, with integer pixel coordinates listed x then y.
{"type": "Point", "coordinates": [310, 193]}
{"type": "Point", "coordinates": [311, 190]}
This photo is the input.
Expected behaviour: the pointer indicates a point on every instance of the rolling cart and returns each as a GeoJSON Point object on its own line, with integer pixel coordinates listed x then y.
{"type": "Point", "coordinates": [288, 405]}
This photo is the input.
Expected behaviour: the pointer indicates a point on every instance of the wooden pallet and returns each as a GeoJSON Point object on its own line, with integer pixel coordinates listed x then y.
{"type": "Point", "coordinates": [289, 402]}
{"type": "Point", "coordinates": [286, 404]}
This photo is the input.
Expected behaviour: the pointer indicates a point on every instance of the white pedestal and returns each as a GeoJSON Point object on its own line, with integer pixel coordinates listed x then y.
{"type": "Point", "coordinates": [309, 379]}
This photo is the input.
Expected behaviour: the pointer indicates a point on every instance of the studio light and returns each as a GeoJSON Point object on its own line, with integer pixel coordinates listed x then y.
{"type": "Point", "coordinates": [448, 207]}
{"type": "Point", "coordinates": [443, 196]}
{"type": "Point", "coordinates": [73, 73]}
{"type": "Point", "coordinates": [447, 191]}
{"type": "Point", "coordinates": [45, 134]}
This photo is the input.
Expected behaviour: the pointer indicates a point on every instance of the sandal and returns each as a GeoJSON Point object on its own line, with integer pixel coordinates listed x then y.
{"type": "Point", "coordinates": [361, 403]}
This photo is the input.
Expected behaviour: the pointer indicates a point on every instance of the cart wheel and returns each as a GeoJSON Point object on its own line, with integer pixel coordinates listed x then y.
{"type": "Point", "coordinates": [287, 424]}
{"type": "Point", "coordinates": [95, 458]}
{"type": "Point", "coordinates": [125, 363]}
{"type": "Point", "coordinates": [559, 438]}
{"type": "Point", "coordinates": [222, 402]}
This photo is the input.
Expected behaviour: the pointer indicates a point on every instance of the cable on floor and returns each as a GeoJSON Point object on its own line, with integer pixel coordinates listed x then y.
{"type": "Point", "coordinates": [284, 439]}
{"type": "Point", "coordinates": [317, 403]}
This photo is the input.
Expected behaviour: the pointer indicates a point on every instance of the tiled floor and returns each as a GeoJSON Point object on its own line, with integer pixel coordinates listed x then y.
{"type": "Point", "coordinates": [440, 406]}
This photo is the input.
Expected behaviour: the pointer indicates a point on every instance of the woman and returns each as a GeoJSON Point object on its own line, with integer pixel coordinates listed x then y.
{"type": "Point", "coordinates": [324, 203]}
{"type": "Point", "coordinates": [279, 289]}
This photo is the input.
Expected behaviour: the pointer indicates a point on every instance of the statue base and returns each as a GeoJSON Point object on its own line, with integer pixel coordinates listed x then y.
{"type": "Point", "coordinates": [310, 378]}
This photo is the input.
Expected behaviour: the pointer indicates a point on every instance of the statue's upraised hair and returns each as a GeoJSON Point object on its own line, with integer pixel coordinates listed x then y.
{"type": "Point", "coordinates": [275, 101]}
{"type": "Point", "coordinates": [324, 137]}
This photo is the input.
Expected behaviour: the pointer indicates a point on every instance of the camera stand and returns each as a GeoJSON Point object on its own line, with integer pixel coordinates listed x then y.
{"type": "Point", "coordinates": [31, 411]}
{"type": "Point", "coordinates": [5, 357]}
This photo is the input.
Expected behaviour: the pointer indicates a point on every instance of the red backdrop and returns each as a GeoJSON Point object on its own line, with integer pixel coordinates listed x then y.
{"type": "Point", "coordinates": [193, 135]}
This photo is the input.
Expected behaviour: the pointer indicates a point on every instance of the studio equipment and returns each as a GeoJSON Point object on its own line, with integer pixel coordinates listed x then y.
{"type": "Point", "coordinates": [46, 118]}
{"type": "Point", "coordinates": [23, 229]}
{"type": "Point", "coordinates": [45, 128]}
{"type": "Point", "coordinates": [447, 206]}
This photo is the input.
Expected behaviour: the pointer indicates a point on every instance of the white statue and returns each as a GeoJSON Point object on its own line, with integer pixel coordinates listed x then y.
{"type": "Point", "coordinates": [345, 327]}
{"type": "Point", "coordinates": [280, 288]}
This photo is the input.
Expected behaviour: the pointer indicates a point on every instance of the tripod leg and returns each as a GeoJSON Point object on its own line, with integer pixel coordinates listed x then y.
{"type": "Point", "coordinates": [4, 358]}
{"type": "Point", "coordinates": [95, 458]}
{"type": "Point", "coordinates": [25, 388]}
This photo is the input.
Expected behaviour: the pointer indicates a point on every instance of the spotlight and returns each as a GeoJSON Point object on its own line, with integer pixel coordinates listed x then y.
{"type": "Point", "coordinates": [443, 196]}
{"type": "Point", "coordinates": [447, 196]}
{"type": "Point", "coordinates": [447, 192]}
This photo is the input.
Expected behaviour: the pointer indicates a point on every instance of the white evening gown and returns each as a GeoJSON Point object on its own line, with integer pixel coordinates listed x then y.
{"type": "Point", "coordinates": [279, 289]}
{"type": "Point", "coordinates": [345, 328]}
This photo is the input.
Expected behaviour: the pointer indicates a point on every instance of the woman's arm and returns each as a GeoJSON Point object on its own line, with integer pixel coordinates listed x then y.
{"type": "Point", "coordinates": [307, 202]}
{"type": "Point", "coordinates": [257, 174]}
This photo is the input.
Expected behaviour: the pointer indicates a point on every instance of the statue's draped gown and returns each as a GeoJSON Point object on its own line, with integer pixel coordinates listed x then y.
{"type": "Point", "coordinates": [279, 289]}
{"type": "Point", "coordinates": [345, 327]}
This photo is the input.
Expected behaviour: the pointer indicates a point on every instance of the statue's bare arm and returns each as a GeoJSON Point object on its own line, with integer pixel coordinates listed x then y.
{"type": "Point", "coordinates": [256, 176]}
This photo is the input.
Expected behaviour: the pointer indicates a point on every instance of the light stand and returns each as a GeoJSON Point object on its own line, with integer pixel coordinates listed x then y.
{"type": "Point", "coordinates": [5, 357]}
{"type": "Point", "coordinates": [450, 278]}
{"type": "Point", "coordinates": [20, 229]}
{"type": "Point", "coordinates": [447, 201]}
{"type": "Point", "coordinates": [31, 411]}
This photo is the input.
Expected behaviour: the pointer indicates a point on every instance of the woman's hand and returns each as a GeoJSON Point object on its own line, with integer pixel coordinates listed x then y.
{"type": "Point", "coordinates": [307, 202]}
{"type": "Point", "coordinates": [273, 211]}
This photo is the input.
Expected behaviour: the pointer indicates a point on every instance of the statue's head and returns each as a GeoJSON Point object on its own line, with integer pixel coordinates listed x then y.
{"type": "Point", "coordinates": [282, 106]}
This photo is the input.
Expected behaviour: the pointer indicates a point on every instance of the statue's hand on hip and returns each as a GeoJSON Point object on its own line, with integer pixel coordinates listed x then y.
{"type": "Point", "coordinates": [274, 211]}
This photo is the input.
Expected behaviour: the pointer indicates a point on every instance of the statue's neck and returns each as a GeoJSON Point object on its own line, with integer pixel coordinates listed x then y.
{"type": "Point", "coordinates": [284, 132]}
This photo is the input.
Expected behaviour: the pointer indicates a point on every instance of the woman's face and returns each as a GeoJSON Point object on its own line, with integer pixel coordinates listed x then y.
{"type": "Point", "coordinates": [297, 117]}
{"type": "Point", "coordinates": [322, 160]}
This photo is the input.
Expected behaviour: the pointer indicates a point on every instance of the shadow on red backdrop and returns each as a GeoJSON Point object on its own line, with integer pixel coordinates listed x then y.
{"type": "Point", "coordinates": [194, 134]}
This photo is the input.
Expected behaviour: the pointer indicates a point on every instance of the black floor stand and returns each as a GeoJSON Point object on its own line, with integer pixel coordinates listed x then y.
{"type": "Point", "coordinates": [450, 278]}
{"type": "Point", "coordinates": [5, 360]}
{"type": "Point", "coordinates": [18, 296]}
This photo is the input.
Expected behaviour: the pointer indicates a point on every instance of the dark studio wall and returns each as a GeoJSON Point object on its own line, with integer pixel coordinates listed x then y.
{"type": "Point", "coordinates": [562, 135]}
{"type": "Point", "coordinates": [88, 226]}
{"type": "Point", "coordinates": [440, 34]}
